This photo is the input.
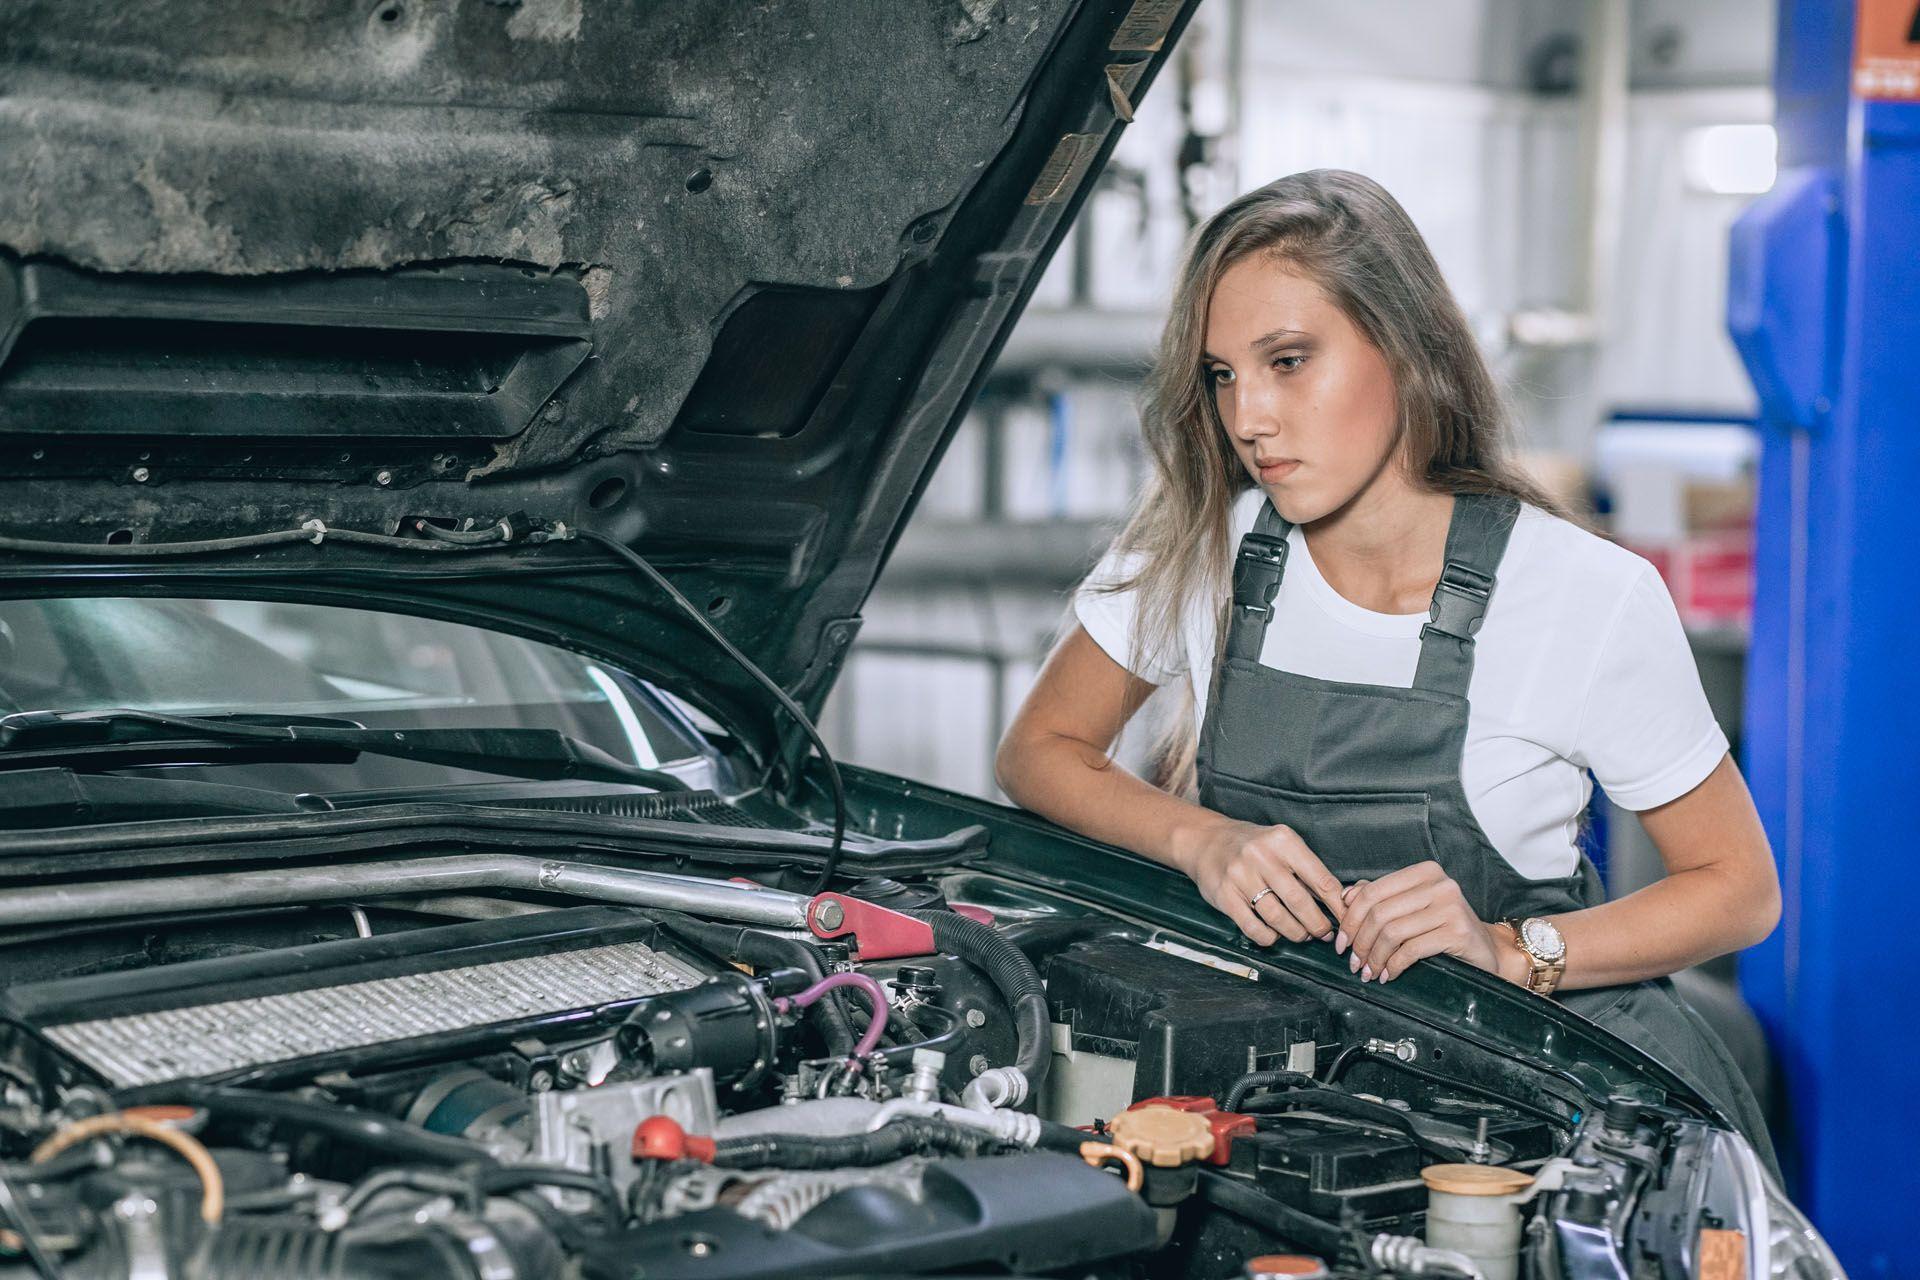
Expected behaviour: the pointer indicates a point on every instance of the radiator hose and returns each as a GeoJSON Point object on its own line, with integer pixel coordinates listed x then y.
{"type": "Point", "coordinates": [1012, 974]}
{"type": "Point", "coordinates": [903, 1136]}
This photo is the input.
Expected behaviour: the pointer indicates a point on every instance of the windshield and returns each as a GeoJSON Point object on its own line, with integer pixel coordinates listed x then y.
{"type": "Point", "coordinates": [380, 670]}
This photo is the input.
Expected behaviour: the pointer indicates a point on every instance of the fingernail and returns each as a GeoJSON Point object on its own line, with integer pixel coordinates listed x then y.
{"type": "Point", "coordinates": [1340, 943]}
{"type": "Point", "coordinates": [1353, 963]}
{"type": "Point", "coordinates": [1366, 974]}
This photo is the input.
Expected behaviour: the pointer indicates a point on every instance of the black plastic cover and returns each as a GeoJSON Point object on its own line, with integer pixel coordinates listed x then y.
{"type": "Point", "coordinates": [1191, 1029]}
{"type": "Point", "coordinates": [1028, 1213]}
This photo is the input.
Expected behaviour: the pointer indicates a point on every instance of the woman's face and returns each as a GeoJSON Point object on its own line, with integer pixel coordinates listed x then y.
{"type": "Point", "coordinates": [1307, 400]}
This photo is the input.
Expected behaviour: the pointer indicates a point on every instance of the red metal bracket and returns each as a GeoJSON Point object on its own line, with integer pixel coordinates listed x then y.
{"type": "Point", "coordinates": [879, 934]}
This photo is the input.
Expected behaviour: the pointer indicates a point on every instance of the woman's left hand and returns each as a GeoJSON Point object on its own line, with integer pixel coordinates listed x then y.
{"type": "Point", "coordinates": [1408, 915]}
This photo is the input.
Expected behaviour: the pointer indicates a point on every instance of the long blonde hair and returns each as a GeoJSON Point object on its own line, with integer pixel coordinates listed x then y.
{"type": "Point", "coordinates": [1355, 241]}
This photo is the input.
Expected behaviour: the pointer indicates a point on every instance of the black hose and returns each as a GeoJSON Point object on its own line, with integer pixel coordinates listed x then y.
{"type": "Point", "coordinates": [1008, 968]}
{"type": "Point", "coordinates": [1328, 1239]}
{"type": "Point", "coordinates": [908, 1135]}
{"type": "Point", "coordinates": [1246, 1084]}
{"type": "Point", "coordinates": [946, 1040]}
{"type": "Point", "coordinates": [394, 1138]}
{"type": "Point", "coordinates": [506, 1180]}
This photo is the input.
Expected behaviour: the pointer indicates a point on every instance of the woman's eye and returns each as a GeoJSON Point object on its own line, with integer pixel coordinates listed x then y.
{"type": "Point", "coordinates": [1287, 364]}
{"type": "Point", "coordinates": [1219, 376]}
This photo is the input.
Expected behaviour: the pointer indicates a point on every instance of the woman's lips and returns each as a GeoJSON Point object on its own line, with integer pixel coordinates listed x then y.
{"type": "Point", "coordinates": [1279, 469]}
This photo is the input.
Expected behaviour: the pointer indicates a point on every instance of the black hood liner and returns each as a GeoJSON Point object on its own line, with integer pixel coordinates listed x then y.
{"type": "Point", "coordinates": [718, 279]}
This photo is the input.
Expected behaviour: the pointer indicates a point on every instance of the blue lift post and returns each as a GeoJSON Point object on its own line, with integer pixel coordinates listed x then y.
{"type": "Point", "coordinates": [1824, 305]}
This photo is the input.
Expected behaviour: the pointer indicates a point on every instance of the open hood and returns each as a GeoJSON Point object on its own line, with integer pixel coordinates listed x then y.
{"type": "Point", "coordinates": [716, 279]}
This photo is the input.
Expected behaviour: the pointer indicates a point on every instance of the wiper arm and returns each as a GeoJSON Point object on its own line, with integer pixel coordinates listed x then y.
{"type": "Point", "coordinates": [34, 738]}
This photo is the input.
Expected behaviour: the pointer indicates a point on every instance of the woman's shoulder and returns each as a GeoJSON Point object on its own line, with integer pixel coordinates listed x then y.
{"type": "Point", "coordinates": [1569, 552]}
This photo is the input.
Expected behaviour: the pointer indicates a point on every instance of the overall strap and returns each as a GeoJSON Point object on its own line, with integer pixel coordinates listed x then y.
{"type": "Point", "coordinates": [1257, 570]}
{"type": "Point", "coordinates": [1476, 539]}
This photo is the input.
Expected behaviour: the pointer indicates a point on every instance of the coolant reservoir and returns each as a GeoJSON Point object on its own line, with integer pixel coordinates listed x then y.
{"type": "Point", "coordinates": [1475, 1209]}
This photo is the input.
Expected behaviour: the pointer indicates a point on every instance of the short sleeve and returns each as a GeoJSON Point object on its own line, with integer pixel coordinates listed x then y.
{"type": "Point", "coordinates": [1107, 615]}
{"type": "Point", "coordinates": [1646, 730]}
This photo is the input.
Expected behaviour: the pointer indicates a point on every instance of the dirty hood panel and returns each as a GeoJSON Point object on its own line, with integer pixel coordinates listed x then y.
{"type": "Point", "coordinates": [717, 279]}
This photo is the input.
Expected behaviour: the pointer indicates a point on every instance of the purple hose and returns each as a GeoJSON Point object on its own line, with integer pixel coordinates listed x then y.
{"type": "Point", "coordinates": [871, 989]}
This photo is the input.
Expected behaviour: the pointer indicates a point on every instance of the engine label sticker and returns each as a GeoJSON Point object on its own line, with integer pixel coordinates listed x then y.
{"type": "Point", "coordinates": [1063, 167]}
{"type": "Point", "coordinates": [1144, 29]}
{"type": "Point", "coordinates": [1886, 50]}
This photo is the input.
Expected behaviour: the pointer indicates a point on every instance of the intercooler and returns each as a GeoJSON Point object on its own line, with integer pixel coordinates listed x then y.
{"type": "Point", "coordinates": [372, 997]}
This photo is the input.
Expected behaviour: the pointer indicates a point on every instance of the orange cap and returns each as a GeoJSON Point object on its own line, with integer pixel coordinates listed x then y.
{"type": "Point", "coordinates": [1161, 1136]}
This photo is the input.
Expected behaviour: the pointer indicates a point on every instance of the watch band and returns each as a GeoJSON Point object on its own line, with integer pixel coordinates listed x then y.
{"type": "Point", "coordinates": [1543, 975]}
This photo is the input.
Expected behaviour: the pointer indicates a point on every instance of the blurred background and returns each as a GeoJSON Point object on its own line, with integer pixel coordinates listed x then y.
{"type": "Point", "coordinates": [1575, 167]}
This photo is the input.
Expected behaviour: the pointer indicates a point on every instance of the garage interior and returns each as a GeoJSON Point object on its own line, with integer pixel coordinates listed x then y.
{"type": "Point", "coordinates": [530, 529]}
{"type": "Point", "coordinates": [1582, 172]}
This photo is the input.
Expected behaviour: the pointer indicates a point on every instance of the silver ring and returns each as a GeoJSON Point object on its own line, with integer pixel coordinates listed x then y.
{"type": "Point", "coordinates": [1254, 901]}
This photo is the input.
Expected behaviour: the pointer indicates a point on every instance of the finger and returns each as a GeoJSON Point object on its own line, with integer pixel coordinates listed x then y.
{"type": "Point", "coordinates": [1313, 873]}
{"type": "Point", "coordinates": [1364, 897]}
{"type": "Point", "coordinates": [1437, 920]}
{"type": "Point", "coordinates": [1444, 938]}
{"type": "Point", "coordinates": [1277, 909]}
{"type": "Point", "coordinates": [1293, 895]}
{"type": "Point", "coordinates": [1249, 923]}
{"type": "Point", "coordinates": [1255, 879]}
{"type": "Point", "coordinates": [1385, 925]}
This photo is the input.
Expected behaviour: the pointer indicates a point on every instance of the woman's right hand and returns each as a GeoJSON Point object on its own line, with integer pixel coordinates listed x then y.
{"type": "Point", "coordinates": [1233, 861]}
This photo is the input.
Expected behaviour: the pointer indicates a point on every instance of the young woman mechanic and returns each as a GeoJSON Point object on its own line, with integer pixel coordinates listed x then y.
{"type": "Point", "coordinates": [1408, 663]}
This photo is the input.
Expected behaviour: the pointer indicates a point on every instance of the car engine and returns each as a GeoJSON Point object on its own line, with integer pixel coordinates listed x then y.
{"type": "Point", "coordinates": [485, 1087]}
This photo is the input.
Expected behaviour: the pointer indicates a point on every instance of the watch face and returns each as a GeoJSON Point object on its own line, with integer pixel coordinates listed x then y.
{"type": "Point", "coordinates": [1544, 940]}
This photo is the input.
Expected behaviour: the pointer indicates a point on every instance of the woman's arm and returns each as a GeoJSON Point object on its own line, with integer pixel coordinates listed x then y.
{"type": "Point", "coordinates": [1054, 761]}
{"type": "Point", "coordinates": [1720, 894]}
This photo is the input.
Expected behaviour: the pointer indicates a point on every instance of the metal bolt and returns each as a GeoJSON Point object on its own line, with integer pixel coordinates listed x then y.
{"type": "Point", "coordinates": [540, 1081]}
{"type": "Point", "coordinates": [978, 1063]}
{"type": "Point", "coordinates": [140, 475]}
{"type": "Point", "coordinates": [829, 915]}
{"type": "Point", "coordinates": [383, 477]}
{"type": "Point", "coordinates": [976, 1017]}
{"type": "Point", "coordinates": [577, 1063]}
{"type": "Point", "coordinates": [699, 1248]}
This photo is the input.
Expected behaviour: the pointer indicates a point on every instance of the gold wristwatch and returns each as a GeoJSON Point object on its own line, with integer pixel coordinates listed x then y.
{"type": "Point", "coordinates": [1540, 942]}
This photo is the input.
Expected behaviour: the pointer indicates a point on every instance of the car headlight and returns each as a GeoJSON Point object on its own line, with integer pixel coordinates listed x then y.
{"type": "Point", "coordinates": [1781, 1243]}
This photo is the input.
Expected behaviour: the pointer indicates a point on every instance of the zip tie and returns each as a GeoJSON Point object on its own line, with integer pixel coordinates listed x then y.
{"type": "Point", "coordinates": [316, 527]}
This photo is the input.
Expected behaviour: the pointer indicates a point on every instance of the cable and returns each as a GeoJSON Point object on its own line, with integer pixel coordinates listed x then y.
{"type": "Point", "coordinates": [1276, 1218]}
{"type": "Point", "coordinates": [1434, 1077]}
{"type": "Point", "coordinates": [394, 1138]}
{"type": "Point", "coordinates": [314, 531]}
{"type": "Point", "coordinates": [832, 982]}
{"type": "Point", "coordinates": [27, 1238]}
{"type": "Point", "coordinates": [746, 664]}
{"type": "Point", "coordinates": [213, 1191]}
{"type": "Point", "coordinates": [1246, 1084]}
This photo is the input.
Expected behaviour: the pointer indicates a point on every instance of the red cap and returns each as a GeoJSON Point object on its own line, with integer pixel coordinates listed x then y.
{"type": "Point", "coordinates": [662, 1138]}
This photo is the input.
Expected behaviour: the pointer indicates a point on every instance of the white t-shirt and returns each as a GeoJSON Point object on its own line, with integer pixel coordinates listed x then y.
{"type": "Point", "coordinates": [1581, 665]}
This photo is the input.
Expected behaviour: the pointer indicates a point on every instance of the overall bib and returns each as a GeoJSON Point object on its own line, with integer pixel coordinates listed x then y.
{"type": "Point", "coordinates": [1369, 777]}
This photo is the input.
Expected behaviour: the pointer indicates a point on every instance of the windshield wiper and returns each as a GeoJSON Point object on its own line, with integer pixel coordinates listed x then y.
{"type": "Point", "coordinates": [114, 738]}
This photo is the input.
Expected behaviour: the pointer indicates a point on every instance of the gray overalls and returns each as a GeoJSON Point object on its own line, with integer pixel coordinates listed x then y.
{"type": "Point", "coordinates": [1369, 776]}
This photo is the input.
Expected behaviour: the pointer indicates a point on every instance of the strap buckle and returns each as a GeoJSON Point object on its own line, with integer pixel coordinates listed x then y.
{"type": "Point", "coordinates": [1459, 602]}
{"type": "Point", "coordinates": [1256, 574]}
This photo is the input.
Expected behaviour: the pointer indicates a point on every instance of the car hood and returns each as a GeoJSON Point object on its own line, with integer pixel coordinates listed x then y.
{"type": "Point", "coordinates": [717, 280]}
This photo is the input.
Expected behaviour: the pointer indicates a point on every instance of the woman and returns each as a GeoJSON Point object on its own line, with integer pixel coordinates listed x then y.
{"type": "Point", "coordinates": [1408, 663]}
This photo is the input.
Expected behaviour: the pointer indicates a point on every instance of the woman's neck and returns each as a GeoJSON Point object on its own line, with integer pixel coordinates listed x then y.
{"type": "Point", "coordinates": [1384, 549]}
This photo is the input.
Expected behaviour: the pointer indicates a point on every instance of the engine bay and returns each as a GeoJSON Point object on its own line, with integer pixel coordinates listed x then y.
{"type": "Point", "coordinates": [519, 1084]}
